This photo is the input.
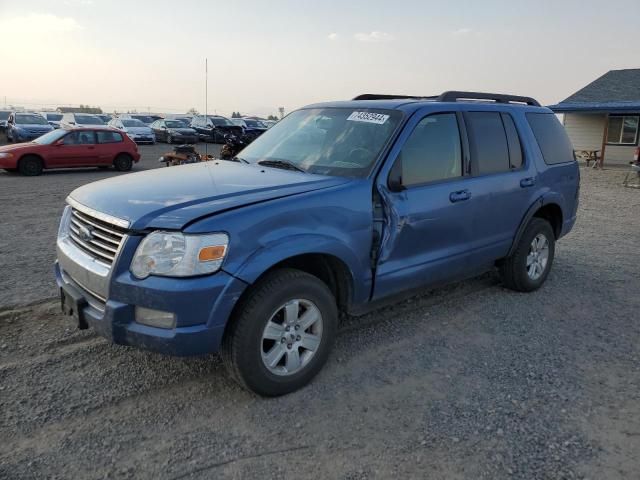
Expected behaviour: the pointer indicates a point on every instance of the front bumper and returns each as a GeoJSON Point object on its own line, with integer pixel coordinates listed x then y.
{"type": "Point", "coordinates": [201, 305]}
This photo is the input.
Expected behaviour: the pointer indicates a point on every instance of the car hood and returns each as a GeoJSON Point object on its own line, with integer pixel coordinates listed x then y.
{"type": "Point", "coordinates": [172, 197]}
{"type": "Point", "coordinates": [183, 131]}
{"type": "Point", "coordinates": [33, 126]}
{"type": "Point", "coordinates": [138, 130]}
{"type": "Point", "coordinates": [19, 146]}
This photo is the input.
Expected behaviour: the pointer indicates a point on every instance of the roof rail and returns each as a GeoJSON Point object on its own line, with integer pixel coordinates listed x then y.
{"type": "Point", "coordinates": [454, 96]}
{"type": "Point", "coordinates": [375, 96]}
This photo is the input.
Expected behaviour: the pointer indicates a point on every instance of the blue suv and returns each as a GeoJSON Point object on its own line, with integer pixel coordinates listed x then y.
{"type": "Point", "coordinates": [339, 208]}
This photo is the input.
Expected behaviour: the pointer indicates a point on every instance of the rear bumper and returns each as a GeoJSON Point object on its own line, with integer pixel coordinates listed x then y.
{"type": "Point", "coordinates": [202, 307]}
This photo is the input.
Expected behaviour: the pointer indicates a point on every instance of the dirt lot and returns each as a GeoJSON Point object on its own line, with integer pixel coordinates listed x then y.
{"type": "Point", "coordinates": [470, 381]}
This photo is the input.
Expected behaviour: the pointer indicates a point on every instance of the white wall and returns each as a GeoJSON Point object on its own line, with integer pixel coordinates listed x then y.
{"type": "Point", "coordinates": [585, 131]}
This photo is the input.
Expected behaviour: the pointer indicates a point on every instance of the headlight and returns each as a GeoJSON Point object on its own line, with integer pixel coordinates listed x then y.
{"type": "Point", "coordinates": [6, 155]}
{"type": "Point", "coordinates": [174, 254]}
{"type": "Point", "coordinates": [63, 229]}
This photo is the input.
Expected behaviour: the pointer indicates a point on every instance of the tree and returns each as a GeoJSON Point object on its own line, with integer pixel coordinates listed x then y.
{"type": "Point", "coordinates": [236, 115]}
{"type": "Point", "coordinates": [192, 111]}
{"type": "Point", "coordinates": [272, 117]}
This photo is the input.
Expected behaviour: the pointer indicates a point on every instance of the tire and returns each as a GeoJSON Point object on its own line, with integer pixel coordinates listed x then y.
{"type": "Point", "coordinates": [123, 163]}
{"type": "Point", "coordinates": [245, 349]}
{"type": "Point", "coordinates": [30, 166]}
{"type": "Point", "coordinates": [524, 271]}
{"type": "Point", "coordinates": [169, 139]}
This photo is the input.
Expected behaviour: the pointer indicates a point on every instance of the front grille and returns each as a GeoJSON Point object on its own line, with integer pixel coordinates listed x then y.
{"type": "Point", "coordinates": [97, 238]}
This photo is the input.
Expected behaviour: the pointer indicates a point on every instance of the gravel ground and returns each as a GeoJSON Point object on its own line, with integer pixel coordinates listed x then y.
{"type": "Point", "coordinates": [469, 381]}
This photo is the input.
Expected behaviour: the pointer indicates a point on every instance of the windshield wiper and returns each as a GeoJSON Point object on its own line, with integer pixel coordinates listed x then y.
{"type": "Point", "coordinates": [238, 159]}
{"type": "Point", "coordinates": [284, 164]}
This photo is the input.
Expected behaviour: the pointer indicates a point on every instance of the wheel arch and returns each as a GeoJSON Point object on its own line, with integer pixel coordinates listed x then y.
{"type": "Point", "coordinates": [547, 209]}
{"type": "Point", "coordinates": [30, 154]}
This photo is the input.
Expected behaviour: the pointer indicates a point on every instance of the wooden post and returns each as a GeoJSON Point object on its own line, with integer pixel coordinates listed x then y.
{"type": "Point", "coordinates": [604, 141]}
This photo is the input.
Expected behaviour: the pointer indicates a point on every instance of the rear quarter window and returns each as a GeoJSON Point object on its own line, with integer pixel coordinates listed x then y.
{"type": "Point", "coordinates": [551, 137]}
{"type": "Point", "coordinates": [108, 137]}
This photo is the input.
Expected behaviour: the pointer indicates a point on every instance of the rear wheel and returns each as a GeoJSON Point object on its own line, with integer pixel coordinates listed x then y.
{"type": "Point", "coordinates": [529, 265]}
{"type": "Point", "coordinates": [123, 163]}
{"type": "Point", "coordinates": [282, 333]}
{"type": "Point", "coordinates": [30, 166]}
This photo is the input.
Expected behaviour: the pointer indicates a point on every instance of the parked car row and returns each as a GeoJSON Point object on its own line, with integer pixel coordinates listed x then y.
{"type": "Point", "coordinates": [26, 126]}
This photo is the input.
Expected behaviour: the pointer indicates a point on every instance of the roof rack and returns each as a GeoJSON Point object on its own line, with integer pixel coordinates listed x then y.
{"type": "Point", "coordinates": [375, 96]}
{"type": "Point", "coordinates": [454, 96]}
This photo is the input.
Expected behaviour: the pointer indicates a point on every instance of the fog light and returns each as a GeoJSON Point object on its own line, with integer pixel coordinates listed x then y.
{"type": "Point", "coordinates": [155, 318]}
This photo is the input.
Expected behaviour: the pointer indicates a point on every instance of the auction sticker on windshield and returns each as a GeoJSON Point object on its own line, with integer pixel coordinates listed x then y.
{"type": "Point", "coordinates": [368, 117]}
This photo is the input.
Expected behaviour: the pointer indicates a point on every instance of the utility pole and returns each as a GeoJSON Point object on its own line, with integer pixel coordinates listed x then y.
{"type": "Point", "coordinates": [206, 100]}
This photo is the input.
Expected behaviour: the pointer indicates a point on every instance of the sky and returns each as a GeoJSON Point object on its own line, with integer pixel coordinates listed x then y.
{"type": "Point", "coordinates": [266, 54]}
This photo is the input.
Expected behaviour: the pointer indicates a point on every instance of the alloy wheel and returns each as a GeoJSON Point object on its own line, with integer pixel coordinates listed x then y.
{"type": "Point", "coordinates": [538, 256]}
{"type": "Point", "coordinates": [291, 337]}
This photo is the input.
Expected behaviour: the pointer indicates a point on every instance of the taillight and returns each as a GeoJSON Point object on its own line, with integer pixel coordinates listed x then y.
{"type": "Point", "coordinates": [636, 156]}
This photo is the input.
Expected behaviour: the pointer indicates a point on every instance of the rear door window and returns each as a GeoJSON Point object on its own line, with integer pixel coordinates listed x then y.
{"type": "Point", "coordinates": [433, 151]}
{"type": "Point", "coordinates": [108, 137]}
{"type": "Point", "coordinates": [487, 143]}
{"type": "Point", "coordinates": [551, 137]}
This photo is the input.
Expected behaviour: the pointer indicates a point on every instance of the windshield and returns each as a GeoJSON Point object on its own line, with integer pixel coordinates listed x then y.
{"type": "Point", "coordinates": [174, 124]}
{"type": "Point", "coordinates": [30, 119]}
{"type": "Point", "coordinates": [54, 117]}
{"type": "Point", "coordinates": [327, 141]}
{"type": "Point", "coordinates": [88, 120]}
{"type": "Point", "coordinates": [254, 123]}
{"type": "Point", "coordinates": [220, 121]}
{"type": "Point", "coordinates": [132, 123]}
{"type": "Point", "coordinates": [49, 138]}
{"type": "Point", "coordinates": [143, 118]}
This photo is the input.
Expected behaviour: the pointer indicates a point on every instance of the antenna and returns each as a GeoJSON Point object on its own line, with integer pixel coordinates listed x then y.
{"type": "Point", "coordinates": [206, 101]}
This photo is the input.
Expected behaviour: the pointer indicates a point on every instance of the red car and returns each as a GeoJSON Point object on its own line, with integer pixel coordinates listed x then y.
{"type": "Point", "coordinates": [67, 148]}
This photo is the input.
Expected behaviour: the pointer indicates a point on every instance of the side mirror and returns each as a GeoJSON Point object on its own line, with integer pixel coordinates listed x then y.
{"type": "Point", "coordinates": [59, 143]}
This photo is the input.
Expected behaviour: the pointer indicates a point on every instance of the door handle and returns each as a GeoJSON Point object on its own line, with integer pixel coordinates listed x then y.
{"type": "Point", "coordinates": [459, 196]}
{"type": "Point", "coordinates": [528, 182]}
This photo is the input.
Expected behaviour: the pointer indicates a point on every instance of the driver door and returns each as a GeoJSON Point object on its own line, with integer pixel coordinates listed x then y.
{"type": "Point", "coordinates": [77, 148]}
{"type": "Point", "coordinates": [428, 226]}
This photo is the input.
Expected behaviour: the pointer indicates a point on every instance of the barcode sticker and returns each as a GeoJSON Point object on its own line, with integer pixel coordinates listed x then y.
{"type": "Point", "coordinates": [368, 117]}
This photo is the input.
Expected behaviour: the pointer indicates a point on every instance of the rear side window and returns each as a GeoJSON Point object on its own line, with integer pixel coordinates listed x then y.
{"type": "Point", "coordinates": [108, 137]}
{"type": "Point", "coordinates": [513, 141]}
{"type": "Point", "coordinates": [551, 137]}
{"type": "Point", "coordinates": [432, 152]}
{"type": "Point", "coordinates": [487, 143]}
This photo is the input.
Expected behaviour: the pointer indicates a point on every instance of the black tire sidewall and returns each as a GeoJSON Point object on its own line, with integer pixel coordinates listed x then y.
{"type": "Point", "coordinates": [123, 163]}
{"type": "Point", "coordinates": [30, 166]}
{"type": "Point", "coordinates": [248, 355]}
{"type": "Point", "coordinates": [535, 227]}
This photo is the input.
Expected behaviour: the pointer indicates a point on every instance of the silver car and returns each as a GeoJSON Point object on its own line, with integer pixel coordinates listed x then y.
{"type": "Point", "coordinates": [135, 130]}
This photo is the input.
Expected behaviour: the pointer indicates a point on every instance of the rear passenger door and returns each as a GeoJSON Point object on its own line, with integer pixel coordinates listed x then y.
{"type": "Point", "coordinates": [430, 212]}
{"type": "Point", "coordinates": [502, 184]}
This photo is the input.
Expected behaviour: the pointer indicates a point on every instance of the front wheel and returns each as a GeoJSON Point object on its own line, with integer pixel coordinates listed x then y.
{"type": "Point", "coordinates": [529, 265]}
{"type": "Point", "coordinates": [169, 139]}
{"type": "Point", "coordinates": [123, 163]}
{"type": "Point", "coordinates": [282, 333]}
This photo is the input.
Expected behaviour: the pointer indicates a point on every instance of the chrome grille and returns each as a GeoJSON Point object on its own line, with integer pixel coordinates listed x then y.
{"type": "Point", "coordinates": [97, 238]}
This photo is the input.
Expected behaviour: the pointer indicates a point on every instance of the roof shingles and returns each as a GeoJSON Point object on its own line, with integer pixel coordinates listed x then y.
{"type": "Point", "coordinates": [613, 86]}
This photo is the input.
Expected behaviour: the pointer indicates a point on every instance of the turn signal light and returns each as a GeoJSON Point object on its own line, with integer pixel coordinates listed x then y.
{"type": "Point", "coordinates": [209, 254]}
